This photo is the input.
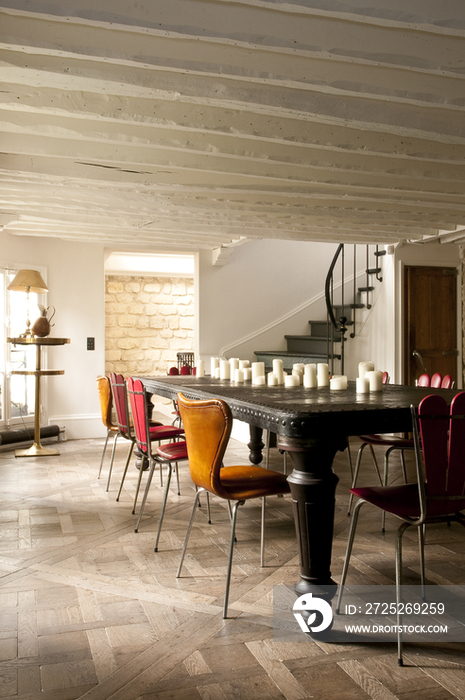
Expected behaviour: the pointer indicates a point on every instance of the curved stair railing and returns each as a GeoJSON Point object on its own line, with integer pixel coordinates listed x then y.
{"type": "Point", "coordinates": [340, 314]}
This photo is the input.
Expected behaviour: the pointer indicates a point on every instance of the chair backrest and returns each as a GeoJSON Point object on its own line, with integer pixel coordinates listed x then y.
{"type": "Point", "coordinates": [207, 428]}
{"type": "Point", "coordinates": [385, 378]}
{"type": "Point", "coordinates": [120, 401]}
{"type": "Point", "coordinates": [424, 380]}
{"type": "Point", "coordinates": [185, 369]}
{"type": "Point", "coordinates": [447, 382]}
{"type": "Point", "coordinates": [442, 431]}
{"type": "Point", "coordinates": [173, 371]}
{"type": "Point", "coordinates": [104, 392]}
{"type": "Point", "coordinates": [139, 412]}
{"type": "Point", "coordinates": [436, 380]}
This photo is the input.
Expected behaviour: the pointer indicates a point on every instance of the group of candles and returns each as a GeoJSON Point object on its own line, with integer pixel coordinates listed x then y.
{"type": "Point", "coordinates": [310, 376]}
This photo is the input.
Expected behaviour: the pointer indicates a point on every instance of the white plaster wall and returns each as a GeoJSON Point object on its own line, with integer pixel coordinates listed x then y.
{"type": "Point", "coordinates": [264, 281]}
{"type": "Point", "coordinates": [375, 328]}
{"type": "Point", "coordinates": [75, 278]}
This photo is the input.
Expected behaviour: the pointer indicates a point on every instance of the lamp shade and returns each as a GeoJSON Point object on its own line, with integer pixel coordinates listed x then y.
{"type": "Point", "coordinates": [28, 281]}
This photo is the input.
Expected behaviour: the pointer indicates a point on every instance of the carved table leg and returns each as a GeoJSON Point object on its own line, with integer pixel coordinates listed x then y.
{"type": "Point", "coordinates": [255, 445]}
{"type": "Point", "coordinates": [313, 486]}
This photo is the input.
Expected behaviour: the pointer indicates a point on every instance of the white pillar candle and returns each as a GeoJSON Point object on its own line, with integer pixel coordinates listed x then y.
{"type": "Point", "coordinates": [200, 368]}
{"type": "Point", "coordinates": [364, 367]}
{"type": "Point", "coordinates": [258, 370]}
{"type": "Point", "coordinates": [310, 380]}
{"type": "Point", "coordinates": [291, 380]}
{"type": "Point", "coordinates": [362, 385]}
{"type": "Point", "coordinates": [260, 380]}
{"type": "Point", "coordinates": [214, 364]}
{"type": "Point", "coordinates": [323, 374]}
{"type": "Point", "coordinates": [278, 370]}
{"type": "Point", "coordinates": [297, 373]}
{"type": "Point", "coordinates": [225, 369]}
{"type": "Point", "coordinates": [300, 366]}
{"type": "Point", "coordinates": [247, 374]}
{"type": "Point", "coordinates": [243, 364]}
{"type": "Point", "coordinates": [233, 364]}
{"type": "Point", "coordinates": [338, 382]}
{"type": "Point", "coordinates": [272, 379]}
{"type": "Point", "coordinates": [239, 376]}
{"type": "Point", "coordinates": [217, 373]}
{"type": "Point", "coordinates": [376, 380]}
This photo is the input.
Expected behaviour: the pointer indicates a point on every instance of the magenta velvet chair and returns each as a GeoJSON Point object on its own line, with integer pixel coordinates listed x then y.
{"type": "Point", "coordinates": [438, 495]}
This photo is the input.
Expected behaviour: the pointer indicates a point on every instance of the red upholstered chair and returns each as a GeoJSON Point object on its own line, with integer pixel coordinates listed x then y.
{"type": "Point", "coordinates": [173, 371]}
{"type": "Point", "coordinates": [157, 431]}
{"type": "Point", "coordinates": [391, 443]}
{"type": "Point", "coordinates": [145, 435]}
{"type": "Point", "coordinates": [447, 382]}
{"type": "Point", "coordinates": [207, 425]}
{"type": "Point", "coordinates": [436, 380]}
{"type": "Point", "coordinates": [185, 369]}
{"type": "Point", "coordinates": [120, 402]}
{"type": "Point", "coordinates": [424, 380]}
{"type": "Point", "coordinates": [438, 495]}
{"type": "Point", "coordinates": [104, 393]}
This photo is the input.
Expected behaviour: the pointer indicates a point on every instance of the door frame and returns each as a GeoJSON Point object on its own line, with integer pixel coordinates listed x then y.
{"type": "Point", "coordinates": [402, 264]}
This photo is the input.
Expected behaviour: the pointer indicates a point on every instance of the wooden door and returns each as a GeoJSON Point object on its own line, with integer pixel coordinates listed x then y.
{"type": "Point", "coordinates": [430, 315]}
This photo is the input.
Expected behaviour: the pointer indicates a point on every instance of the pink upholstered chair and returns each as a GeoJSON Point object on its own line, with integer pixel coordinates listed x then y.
{"type": "Point", "coordinates": [165, 455]}
{"type": "Point", "coordinates": [391, 443]}
{"type": "Point", "coordinates": [447, 382]}
{"type": "Point", "coordinates": [438, 495]}
{"type": "Point", "coordinates": [436, 380]}
{"type": "Point", "coordinates": [156, 431]}
{"type": "Point", "coordinates": [424, 380]}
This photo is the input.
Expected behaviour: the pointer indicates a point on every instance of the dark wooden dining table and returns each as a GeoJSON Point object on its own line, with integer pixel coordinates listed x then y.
{"type": "Point", "coordinates": [312, 425]}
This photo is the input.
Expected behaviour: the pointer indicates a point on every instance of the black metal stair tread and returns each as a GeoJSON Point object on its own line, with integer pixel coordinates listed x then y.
{"type": "Point", "coordinates": [305, 337]}
{"type": "Point", "coordinates": [286, 353]}
{"type": "Point", "coordinates": [349, 322]}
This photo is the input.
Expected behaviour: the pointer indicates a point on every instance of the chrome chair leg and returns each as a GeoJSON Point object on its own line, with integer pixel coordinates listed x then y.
{"type": "Point", "coordinates": [103, 453]}
{"type": "Point", "coordinates": [262, 534]}
{"type": "Point", "coordinates": [188, 532]}
{"type": "Point", "coordinates": [357, 469]}
{"type": "Point", "coordinates": [399, 535]}
{"type": "Point", "coordinates": [146, 492]}
{"type": "Point", "coordinates": [231, 553]}
{"type": "Point", "coordinates": [421, 545]}
{"type": "Point", "coordinates": [144, 457]}
{"type": "Point", "coordinates": [165, 498]}
{"type": "Point", "coordinates": [350, 542]}
{"type": "Point", "coordinates": [125, 470]}
{"type": "Point", "coordinates": [112, 459]}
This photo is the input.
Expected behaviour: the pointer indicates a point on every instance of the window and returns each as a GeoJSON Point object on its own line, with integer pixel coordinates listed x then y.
{"type": "Point", "coordinates": [17, 392]}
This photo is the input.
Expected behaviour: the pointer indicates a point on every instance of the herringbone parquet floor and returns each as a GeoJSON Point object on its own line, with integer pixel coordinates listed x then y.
{"type": "Point", "coordinates": [88, 610]}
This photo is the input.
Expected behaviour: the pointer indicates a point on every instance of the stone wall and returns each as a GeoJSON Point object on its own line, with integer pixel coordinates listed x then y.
{"type": "Point", "coordinates": [148, 321]}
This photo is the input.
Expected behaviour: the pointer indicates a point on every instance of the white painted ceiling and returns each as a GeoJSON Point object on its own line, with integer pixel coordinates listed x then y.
{"type": "Point", "coordinates": [190, 124]}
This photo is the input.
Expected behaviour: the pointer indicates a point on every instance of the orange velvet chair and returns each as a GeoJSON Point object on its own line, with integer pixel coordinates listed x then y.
{"type": "Point", "coordinates": [104, 392]}
{"type": "Point", "coordinates": [207, 426]}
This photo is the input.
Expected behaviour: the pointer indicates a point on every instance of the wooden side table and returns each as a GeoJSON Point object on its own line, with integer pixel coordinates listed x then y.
{"type": "Point", "coordinates": [37, 450]}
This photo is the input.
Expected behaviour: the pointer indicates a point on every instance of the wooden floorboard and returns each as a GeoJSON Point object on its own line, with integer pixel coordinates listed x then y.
{"type": "Point", "coordinates": [88, 610]}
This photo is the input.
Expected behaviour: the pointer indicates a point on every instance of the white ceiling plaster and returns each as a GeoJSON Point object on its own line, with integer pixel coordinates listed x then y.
{"type": "Point", "coordinates": [192, 124]}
